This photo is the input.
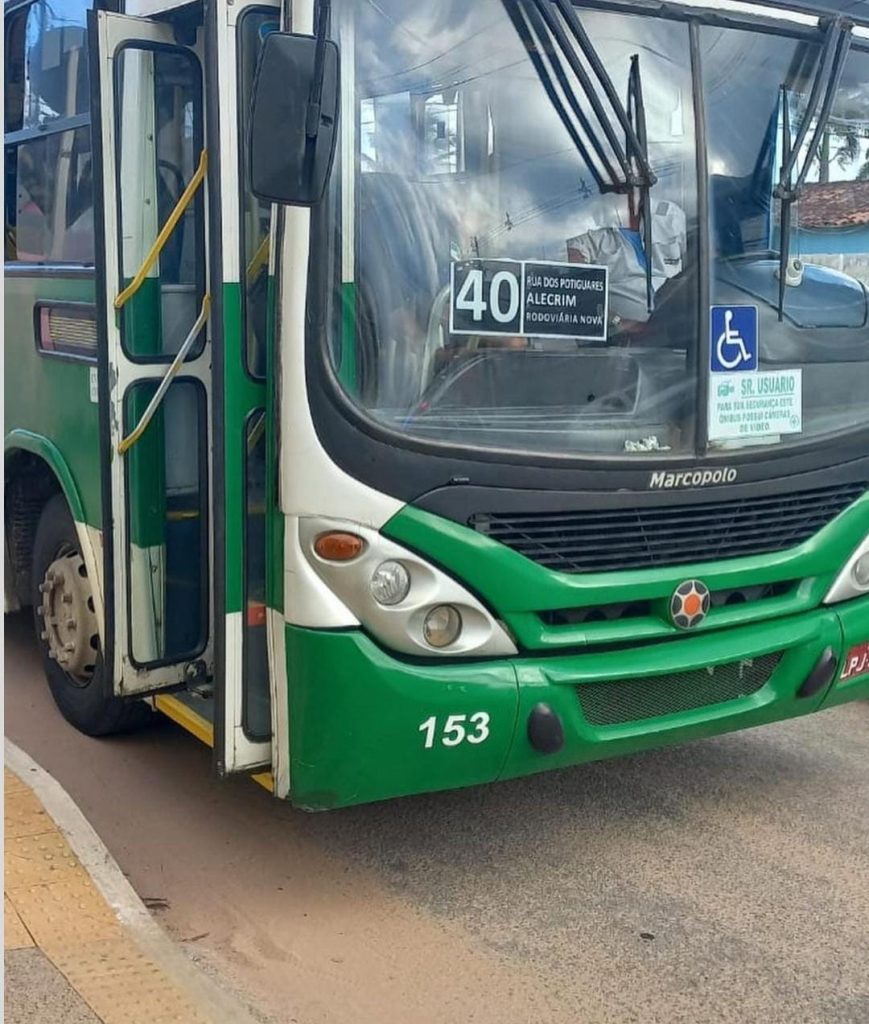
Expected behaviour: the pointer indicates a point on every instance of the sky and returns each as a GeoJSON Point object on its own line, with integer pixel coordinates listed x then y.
{"type": "Point", "coordinates": [856, 7]}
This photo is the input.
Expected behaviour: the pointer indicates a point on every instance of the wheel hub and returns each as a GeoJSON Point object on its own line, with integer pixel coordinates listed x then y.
{"type": "Point", "coordinates": [68, 616]}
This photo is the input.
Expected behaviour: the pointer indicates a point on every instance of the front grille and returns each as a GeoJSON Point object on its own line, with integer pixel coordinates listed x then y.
{"type": "Point", "coordinates": [603, 540]}
{"type": "Point", "coordinates": [632, 700]}
{"type": "Point", "coordinates": [597, 613]}
{"type": "Point", "coordinates": [643, 609]}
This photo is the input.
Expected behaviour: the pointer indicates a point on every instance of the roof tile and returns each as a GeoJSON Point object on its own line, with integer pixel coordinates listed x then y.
{"type": "Point", "coordinates": [836, 205]}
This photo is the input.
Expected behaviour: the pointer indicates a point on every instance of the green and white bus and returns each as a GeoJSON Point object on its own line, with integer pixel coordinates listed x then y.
{"type": "Point", "coordinates": [411, 394]}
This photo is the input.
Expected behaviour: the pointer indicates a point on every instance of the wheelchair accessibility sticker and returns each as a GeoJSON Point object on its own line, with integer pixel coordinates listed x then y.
{"type": "Point", "coordinates": [734, 339]}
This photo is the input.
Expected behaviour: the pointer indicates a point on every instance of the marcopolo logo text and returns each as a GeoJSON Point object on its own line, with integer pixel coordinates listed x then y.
{"type": "Point", "coordinates": [664, 481]}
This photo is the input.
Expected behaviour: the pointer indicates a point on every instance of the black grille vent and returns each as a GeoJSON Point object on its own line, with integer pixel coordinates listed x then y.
{"type": "Point", "coordinates": [602, 540]}
{"type": "Point", "coordinates": [643, 609]}
{"type": "Point", "coordinates": [632, 700]}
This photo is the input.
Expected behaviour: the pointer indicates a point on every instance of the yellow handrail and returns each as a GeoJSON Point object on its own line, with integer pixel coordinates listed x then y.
{"type": "Point", "coordinates": [260, 259]}
{"type": "Point", "coordinates": [167, 229]}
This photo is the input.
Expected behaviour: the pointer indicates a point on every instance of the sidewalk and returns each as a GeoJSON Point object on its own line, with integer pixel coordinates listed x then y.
{"type": "Point", "coordinates": [79, 946]}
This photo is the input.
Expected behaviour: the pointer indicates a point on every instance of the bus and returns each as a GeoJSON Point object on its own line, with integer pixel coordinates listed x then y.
{"type": "Point", "coordinates": [404, 395]}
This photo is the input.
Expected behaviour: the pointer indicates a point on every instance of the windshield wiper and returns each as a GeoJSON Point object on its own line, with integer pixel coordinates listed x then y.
{"type": "Point", "coordinates": [536, 41]}
{"type": "Point", "coordinates": [636, 150]}
{"type": "Point", "coordinates": [636, 108]}
{"type": "Point", "coordinates": [825, 86]}
{"type": "Point", "coordinates": [553, 28]}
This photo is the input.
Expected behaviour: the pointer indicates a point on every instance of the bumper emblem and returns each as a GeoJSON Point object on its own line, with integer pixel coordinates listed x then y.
{"type": "Point", "coordinates": [690, 605]}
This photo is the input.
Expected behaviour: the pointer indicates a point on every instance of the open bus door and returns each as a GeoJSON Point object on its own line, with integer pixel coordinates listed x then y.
{"type": "Point", "coordinates": [155, 371]}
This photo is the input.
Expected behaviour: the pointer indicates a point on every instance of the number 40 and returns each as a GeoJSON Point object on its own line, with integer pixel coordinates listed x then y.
{"type": "Point", "coordinates": [455, 731]}
{"type": "Point", "coordinates": [470, 298]}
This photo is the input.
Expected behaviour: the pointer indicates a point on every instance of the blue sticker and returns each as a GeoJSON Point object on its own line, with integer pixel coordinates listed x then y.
{"type": "Point", "coordinates": [734, 339]}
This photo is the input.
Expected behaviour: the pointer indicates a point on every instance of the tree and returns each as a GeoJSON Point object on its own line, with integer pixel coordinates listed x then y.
{"type": "Point", "coordinates": [847, 152]}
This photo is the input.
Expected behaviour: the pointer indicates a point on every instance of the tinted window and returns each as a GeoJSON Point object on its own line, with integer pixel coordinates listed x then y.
{"type": "Point", "coordinates": [14, 55]}
{"type": "Point", "coordinates": [48, 164]}
{"type": "Point", "coordinates": [56, 63]}
{"type": "Point", "coordinates": [50, 204]}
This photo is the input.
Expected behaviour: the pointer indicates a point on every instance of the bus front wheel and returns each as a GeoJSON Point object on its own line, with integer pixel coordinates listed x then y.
{"type": "Point", "coordinates": [67, 632]}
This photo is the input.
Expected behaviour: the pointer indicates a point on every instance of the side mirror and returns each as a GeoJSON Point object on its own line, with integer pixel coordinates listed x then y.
{"type": "Point", "coordinates": [291, 153]}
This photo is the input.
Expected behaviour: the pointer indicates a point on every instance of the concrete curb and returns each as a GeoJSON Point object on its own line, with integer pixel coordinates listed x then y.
{"type": "Point", "coordinates": [107, 876]}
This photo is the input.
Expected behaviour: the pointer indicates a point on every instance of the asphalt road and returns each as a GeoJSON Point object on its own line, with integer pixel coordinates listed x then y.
{"type": "Point", "coordinates": [723, 881]}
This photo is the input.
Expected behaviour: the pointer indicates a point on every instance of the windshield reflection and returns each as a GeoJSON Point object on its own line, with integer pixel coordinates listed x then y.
{"type": "Point", "coordinates": [461, 170]}
{"type": "Point", "coordinates": [824, 330]}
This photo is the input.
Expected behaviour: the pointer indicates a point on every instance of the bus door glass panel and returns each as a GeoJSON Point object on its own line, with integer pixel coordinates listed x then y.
{"type": "Point", "coordinates": [167, 528]}
{"type": "Point", "coordinates": [254, 27]}
{"type": "Point", "coordinates": [256, 716]}
{"type": "Point", "coordinates": [255, 222]}
{"type": "Point", "coordinates": [159, 110]}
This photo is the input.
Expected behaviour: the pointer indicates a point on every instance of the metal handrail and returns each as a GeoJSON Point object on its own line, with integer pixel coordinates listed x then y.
{"type": "Point", "coordinates": [135, 435]}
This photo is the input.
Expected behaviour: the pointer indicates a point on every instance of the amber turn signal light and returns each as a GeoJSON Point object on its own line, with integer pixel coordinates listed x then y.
{"type": "Point", "coordinates": [338, 547]}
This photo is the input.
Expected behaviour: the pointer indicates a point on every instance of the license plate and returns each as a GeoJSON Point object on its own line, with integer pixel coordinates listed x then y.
{"type": "Point", "coordinates": [856, 662]}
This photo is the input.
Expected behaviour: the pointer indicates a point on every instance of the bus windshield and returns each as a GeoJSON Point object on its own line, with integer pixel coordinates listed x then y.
{"type": "Point", "coordinates": [514, 234]}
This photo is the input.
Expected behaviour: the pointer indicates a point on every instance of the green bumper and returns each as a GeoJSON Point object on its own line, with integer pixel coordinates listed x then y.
{"type": "Point", "coordinates": [366, 726]}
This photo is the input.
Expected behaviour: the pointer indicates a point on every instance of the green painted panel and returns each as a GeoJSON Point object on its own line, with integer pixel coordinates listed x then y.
{"type": "Point", "coordinates": [146, 469]}
{"type": "Point", "coordinates": [347, 370]}
{"type": "Point", "coordinates": [854, 618]}
{"type": "Point", "coordinates": [274, 516]}
{"type": "Point", "coordinates": [557, 680]}
{"type": "Point", "coordinates": [518, 588]}
{"type": "Point", "coordinates": [49, 396]}
{"type": "Point", "coordinates": [356, 712]}
{"type": "Point", "coordinates": [141, 320]}
{"type": "Point", "coordinates": [18, 440]}
{"type": "Point", "coordinates": [242, 395]}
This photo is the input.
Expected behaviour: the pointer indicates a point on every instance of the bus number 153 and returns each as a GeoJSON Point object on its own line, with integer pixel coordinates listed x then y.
{"type": "Point", "coordinates": [456, 729]}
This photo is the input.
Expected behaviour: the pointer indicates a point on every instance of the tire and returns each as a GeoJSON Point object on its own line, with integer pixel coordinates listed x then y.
{"type": "Point", "coordinates": [80, 699]}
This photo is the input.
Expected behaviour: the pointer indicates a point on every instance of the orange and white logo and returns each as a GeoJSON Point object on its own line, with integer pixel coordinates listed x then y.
{"type": "Point", "coordinates": [689, 606]}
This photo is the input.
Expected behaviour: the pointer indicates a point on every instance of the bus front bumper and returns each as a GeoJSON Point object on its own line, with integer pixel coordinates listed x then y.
{"type": "Point", "coordinates": [367, 726]}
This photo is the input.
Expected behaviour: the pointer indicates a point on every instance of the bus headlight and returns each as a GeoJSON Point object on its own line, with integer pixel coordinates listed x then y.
{"type": "Point", "coordinates": [442, 626]}
{"type": "Point", "coordinates": [390, 583]}
{"type": "Point", "coordinates": [860, 572]}
{"type": "Point", "coordinates": [853, 580]}
{"type": "Point", "coordinates": [402, 600]}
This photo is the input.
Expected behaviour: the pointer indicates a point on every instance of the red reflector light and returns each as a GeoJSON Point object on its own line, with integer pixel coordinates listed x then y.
{"type": "Point", "coordinates": [256, 614]}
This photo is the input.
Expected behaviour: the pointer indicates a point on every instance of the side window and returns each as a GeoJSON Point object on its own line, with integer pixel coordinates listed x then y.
{"type": "Point", "coordinates": [253, 29]}
{"type": "Point", "coordinates": [48, 160]}
{"type": "Point", "coordinates": [14, 50]}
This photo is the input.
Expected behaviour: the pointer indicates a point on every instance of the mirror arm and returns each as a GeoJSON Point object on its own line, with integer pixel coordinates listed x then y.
{"type": "Point", "coordinates": [315, 96]}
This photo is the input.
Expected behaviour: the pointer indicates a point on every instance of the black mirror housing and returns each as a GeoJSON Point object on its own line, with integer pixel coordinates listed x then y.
{"type": "Point", "coordinates": [287, 164]}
